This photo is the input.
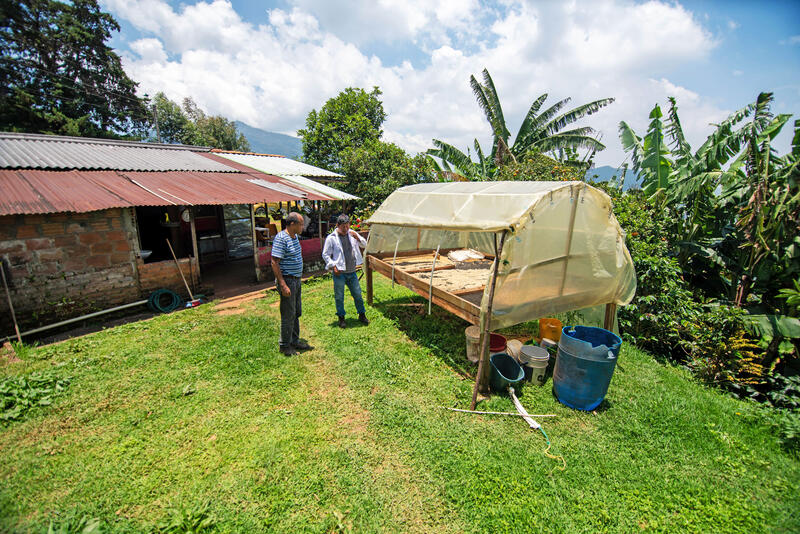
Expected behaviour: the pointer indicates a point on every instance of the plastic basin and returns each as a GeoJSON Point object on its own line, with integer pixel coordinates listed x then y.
{"type": "Point", "coordinates": [505, 372]}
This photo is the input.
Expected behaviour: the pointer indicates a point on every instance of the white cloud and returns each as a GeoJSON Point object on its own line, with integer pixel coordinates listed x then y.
{"type": "Point", "coordinates": [272, 75]}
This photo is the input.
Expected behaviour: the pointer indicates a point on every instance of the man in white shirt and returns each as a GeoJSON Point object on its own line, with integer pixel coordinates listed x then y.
{"type": "Point", "coordinates": [342, 255]}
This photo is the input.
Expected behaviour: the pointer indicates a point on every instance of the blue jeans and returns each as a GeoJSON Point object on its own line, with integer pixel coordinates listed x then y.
{"type": "Point", "coordinates": [351, 281]}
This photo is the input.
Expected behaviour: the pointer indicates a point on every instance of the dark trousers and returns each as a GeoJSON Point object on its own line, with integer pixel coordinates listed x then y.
{"type": "Point", "coordinates": [291, 310]}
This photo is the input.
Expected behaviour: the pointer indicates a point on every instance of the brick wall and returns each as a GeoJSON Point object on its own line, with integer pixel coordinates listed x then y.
{"type": "Point", "coordinates": [160, 274]}
{"type": "Point", "coordinates": [65, 264]}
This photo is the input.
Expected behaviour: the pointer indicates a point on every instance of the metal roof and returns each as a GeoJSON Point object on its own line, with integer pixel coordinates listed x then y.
{"type": "Point", "coordinates": [308, 183]}
{"type": "Point", "coordinates": [36, 151]}
{"type": "Point", "coordinates": [30, 191]}
{"type": "Point", "coordinates": [292, 171]}
{"type": "Point", "coordinates": [277, 165]}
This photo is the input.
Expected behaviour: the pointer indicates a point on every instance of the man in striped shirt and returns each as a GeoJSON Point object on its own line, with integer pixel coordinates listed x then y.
{"type": "Point", "coordinates": [287, 265]}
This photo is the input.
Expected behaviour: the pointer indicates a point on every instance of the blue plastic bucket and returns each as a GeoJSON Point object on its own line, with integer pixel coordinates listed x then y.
{"type": "Point", "coordinates": [585, 364]}
{"type": "Point", "coordinates": [505, 372]}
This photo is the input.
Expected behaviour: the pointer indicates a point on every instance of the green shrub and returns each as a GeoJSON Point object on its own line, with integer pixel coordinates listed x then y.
{"type": "Point", "coordinates": [720, 351]}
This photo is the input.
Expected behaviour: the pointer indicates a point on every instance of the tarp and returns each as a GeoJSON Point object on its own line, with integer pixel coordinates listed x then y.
{"type": "Point", "coordinates": [564, 249]}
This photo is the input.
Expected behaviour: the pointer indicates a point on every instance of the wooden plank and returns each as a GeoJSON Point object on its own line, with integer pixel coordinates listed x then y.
{"type": "Point", "coordinates": [468, 290]}
{"type": "Point", "coordinates": [421, 253]}
{"type": "Point", "coordinates": [427, 270]}
{"type": "Point", "coordinates": [452, 303]}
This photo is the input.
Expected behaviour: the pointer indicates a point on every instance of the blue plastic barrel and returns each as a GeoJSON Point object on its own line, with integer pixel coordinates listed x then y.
{"type": "Point", "coordinates": [505, 372]}
{"type": "Point", "coordinates": [586, 360]}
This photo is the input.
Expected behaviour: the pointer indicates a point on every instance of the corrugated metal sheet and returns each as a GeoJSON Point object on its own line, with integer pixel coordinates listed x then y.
{"type": "Point", "coordinates": [277, 165]}
{"type": "Point", "coordinates": [30, 191]}
{"type": "Point", "coordinates": [33, 151]}
{"type": "Point", "coordinates": [316, 186]}
{"type": "Point", "coordinates": [313, 193]}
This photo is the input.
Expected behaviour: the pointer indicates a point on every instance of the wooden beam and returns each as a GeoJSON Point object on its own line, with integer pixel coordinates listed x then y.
{"type": "Point", "coordinates": [426, 270]}
{"type": "Point", "coordinates": [468, 290]}
{"type": "Point", "coordinates": [452, 303]}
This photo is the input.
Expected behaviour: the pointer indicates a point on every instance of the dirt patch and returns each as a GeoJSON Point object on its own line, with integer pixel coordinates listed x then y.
{"type": "Point", "coordinates": [238, 304]}
{"type": "Point", "coordinates": [8, 355]}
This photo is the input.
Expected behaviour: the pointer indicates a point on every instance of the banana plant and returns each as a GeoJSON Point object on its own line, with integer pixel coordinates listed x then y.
{"type": "Point", "coordinates": [649, 155]}
{"type": "Point", "coordinates": [539, 132]}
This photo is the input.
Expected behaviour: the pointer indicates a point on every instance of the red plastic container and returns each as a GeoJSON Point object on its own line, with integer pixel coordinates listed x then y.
{"type": "Point", "coordinates": [497, 343]}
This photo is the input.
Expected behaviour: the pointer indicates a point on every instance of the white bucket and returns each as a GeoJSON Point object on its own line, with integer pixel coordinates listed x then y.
{"type": "Point", "coordinates": [531, 353]}
{"type": "Point", "coordinates": [535, 360]}
{"type": "Point", "coordinates": [513, 348]}
{"type": "Point", "coordinates": [538, 371]}
{"type": "Point", "coordinates": [473, 334]}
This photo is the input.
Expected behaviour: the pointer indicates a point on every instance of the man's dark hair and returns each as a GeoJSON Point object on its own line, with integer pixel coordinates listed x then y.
{"type": "Point", "coordinates": [293, 217]}
{"type": "Point", "coordinates": [342, 219]}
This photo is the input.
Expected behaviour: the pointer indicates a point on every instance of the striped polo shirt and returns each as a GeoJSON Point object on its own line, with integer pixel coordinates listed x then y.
{"type": "Point", "coordinates": [289, 254]}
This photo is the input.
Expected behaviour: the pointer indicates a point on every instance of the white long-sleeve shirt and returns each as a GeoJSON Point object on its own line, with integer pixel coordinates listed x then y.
{"type": "Point", "coordinates": [334, 256]}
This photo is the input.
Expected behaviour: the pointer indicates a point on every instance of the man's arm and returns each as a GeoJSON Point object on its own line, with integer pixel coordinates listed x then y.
{"type": "Point", "coordinates": [279, 247]}
{"type": "Point", "coordinates": [280, 283]}
{"type": "Point", "coordinates": [327, 254]}
{"type": "Point", "coordinates": [361, 241]}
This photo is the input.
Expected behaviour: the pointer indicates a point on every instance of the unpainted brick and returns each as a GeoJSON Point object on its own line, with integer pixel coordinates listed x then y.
{"type": "Point", "coordinates": [102, 260]}
{"type": "Point", "coordinates": [103, 247]}
{"type": "Point", "coordinates": [52, 229]}
{"type": "Point", "coordinates": [11, 247]}
{"type": "Point", "coordinates": [65, 240]}
{"type": "Point", "coordinates": [50, 255]}
{"type": "Point", "coordinates": [90, 238]}
{"type": "Point", "coordinates": [76, 228]}
{"type": "Point", "coordinates": [27, 231]}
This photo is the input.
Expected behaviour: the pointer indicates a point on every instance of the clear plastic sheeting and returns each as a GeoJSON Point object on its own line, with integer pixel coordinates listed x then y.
{"type": "Point", "coordinates": [564, 249]}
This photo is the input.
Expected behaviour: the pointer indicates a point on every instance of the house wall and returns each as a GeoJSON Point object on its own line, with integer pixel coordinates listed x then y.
{"type": "Point", "coordinates": [160, 274]}
{"type": "Point", "coordinates": [64, 265]}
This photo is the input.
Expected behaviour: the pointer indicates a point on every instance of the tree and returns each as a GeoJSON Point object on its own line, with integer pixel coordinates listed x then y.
{"type": "Point", "coordinates": [352, 119]}
{"type": "Point", "coordinates": [375, 169]}
{"type": "Point", "coordinates": [57, 75]}
{"type": "Point", "coordinates": [539, 132]}
{"type": "Point", "coordinates": [190, 125]}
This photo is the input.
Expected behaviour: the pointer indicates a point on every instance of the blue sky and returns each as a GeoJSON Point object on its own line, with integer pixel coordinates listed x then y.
{"type": "Point", "coordinates": [269, 63]}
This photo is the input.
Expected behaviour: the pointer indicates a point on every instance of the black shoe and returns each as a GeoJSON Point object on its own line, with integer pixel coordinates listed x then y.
{"type": "Point", "coordinates": [288, 351]}
{"type": "Point", "coordinates": [302, 346]}
{"type": "Point", "coordinates": [342, 324]}
{"type": "Point", "coordinates": [363, 318]}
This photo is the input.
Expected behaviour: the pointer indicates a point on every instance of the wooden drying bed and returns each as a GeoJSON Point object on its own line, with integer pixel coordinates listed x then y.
{"type": "Point", "coordinates": [458, 288]}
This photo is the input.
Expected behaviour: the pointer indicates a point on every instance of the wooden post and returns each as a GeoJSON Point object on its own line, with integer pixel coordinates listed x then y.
{"type": "Point", "coordinates": [611, 312]}
{"type": "Point", "coordinates": [481, 381]}
{"type": "Point", "coordinates": [368, 271]}
{"type": "Point", "coordinates": [419, 233]}
{"type": "Point", "coordinates": [8, 295]}
{"type": "Point", "coordinates": [195, 251]}
{"type": "Point", "coordinates": [256, 268]}
{"type": "Point", "coordinates": [319, 224]}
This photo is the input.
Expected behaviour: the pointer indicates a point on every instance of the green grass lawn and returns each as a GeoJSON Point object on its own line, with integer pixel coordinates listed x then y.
{"type": "Point", "coordinates": [198, 408]}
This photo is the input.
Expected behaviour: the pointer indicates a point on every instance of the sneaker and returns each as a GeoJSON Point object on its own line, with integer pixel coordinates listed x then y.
{"type": "Point", "coordinates": [288, 351]}
{"type": "Point", "coordinates": [302, 346]}
{"type": "Point", "coordinates": [363, 318]}
{"type": "Point", "coordinates": [342, 324]}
